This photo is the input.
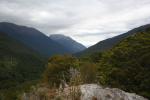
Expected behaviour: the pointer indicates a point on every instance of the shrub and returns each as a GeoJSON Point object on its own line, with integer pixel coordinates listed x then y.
{"type": "Point", "coordinates": [58, 69]}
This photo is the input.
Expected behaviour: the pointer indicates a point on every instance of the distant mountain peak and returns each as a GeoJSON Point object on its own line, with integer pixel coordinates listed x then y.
{"type": "Point", "coordinates": [68, 42]}
{"type": "Point", "coordinates": [33, 38]}
{"type": "Point", "coordinates": [60, 36]}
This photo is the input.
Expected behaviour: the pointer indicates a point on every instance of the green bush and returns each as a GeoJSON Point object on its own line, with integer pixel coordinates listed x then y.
{"type": "Point", "coordinates": [58, 69]}
{"type": "Point", "coordinates": [88, 72]}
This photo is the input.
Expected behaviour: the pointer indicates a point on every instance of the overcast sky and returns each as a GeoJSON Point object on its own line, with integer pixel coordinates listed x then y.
{"type": "Point", "coordinates": [87, 21]}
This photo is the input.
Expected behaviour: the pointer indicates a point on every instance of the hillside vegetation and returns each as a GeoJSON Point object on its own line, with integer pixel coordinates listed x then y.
{"type": "Point", "coordinates": [18, 65]}
{"type": "Point", "coordinates": [127, 65]}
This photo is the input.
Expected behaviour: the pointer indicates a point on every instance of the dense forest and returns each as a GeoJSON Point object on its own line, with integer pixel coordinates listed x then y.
{"type": "Point", "coordinates": [126, 66]}
{"type": "Point", "coordinates": [19, 66]}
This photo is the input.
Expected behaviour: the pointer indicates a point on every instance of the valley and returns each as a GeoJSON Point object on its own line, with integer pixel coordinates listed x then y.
{"type": "Point", "coordinates": [33, 63]}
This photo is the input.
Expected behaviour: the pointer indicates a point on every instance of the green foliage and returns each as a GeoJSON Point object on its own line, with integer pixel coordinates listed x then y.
{"type": "Point", "coordinates": [94, 57]}
{"type": "Point", "coordinates": [69, 69]}
{"type": "Point", "coordinates": [88, 72]}
{"type": "Point", "coordinates": [126, 66]}
{"type": "Point", "coordinates": [58, 69]}
{"type": "Point", "coordinates": [14, 93]}
{"type": "Point", "coordinates": [18, 65]}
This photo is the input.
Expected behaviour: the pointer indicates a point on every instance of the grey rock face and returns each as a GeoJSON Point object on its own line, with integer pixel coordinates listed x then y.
{"type": "Point", "coordinates": [91, 91]}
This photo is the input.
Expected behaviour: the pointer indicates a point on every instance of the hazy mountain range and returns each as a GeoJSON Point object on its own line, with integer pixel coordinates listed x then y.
{"type": "Point", "coordinates": [39, 42]}
{"type": "Point", "coordinates": [68, 43]}
{"type": "Point", "coordinates": [57, 43]}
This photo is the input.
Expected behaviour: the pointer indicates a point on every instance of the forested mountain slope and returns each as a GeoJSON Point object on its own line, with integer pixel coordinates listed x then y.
{"type": "Point", "coordinates": [33, 39]}
{"type": "Point", "coordinates": [127, 65]}
{"type": "Point", "coordinates": [18, 64]}
{"type": "Point", "coordinates": [111, 42]}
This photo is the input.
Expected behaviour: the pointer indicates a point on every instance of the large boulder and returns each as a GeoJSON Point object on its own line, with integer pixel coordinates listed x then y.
{"type": "Point", "coordinates": [96, 92]}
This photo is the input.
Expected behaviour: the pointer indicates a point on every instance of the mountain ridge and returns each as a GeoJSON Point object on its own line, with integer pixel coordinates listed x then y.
{"type": "Point", "coordinates": [33, 38]}
{"type": "Point", "coordinates": [110, 42]}
{"type": "Point", "coordinates": [72, 45]}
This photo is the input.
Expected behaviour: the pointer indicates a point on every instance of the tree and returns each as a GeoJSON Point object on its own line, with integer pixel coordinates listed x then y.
{"type": "Point", "coordinates": [58, 69]}
{"type": "Point", "coordinates": [88, 72]}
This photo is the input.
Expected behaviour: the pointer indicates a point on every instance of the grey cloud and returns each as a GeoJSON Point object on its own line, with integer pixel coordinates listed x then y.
{"type": "Point", "coordinates": [81, 19]}
{"type": "Point", "coordinates": [100, 33]}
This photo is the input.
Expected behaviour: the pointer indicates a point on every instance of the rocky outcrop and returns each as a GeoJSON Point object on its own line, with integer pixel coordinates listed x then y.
{"type": "Point", "coordinates": [82, 92]}
{"type": "Point", "coordinates": [96, 92]}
